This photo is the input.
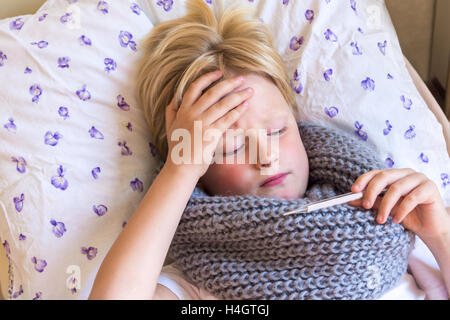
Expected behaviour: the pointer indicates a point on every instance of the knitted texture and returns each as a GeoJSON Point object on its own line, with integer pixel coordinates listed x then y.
{"type": "Point", "coordinates": [242, 247]}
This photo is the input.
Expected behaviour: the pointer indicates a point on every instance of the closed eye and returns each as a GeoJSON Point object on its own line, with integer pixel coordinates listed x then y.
{"type": "Point", "coordinates": [234, 151]}
{"type": "Point", "coordinates": [278, 132]}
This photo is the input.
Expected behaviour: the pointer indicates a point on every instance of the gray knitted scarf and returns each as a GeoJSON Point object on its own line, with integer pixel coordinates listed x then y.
{"type": "Point", "coordinates": [242, 247]}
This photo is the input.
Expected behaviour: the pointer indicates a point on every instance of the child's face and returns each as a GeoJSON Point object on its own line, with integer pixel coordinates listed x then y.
{"type": "Point", "coordinates": [267, 110]}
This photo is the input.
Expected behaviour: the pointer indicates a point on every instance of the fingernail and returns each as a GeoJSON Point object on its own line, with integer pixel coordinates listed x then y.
{"type": "Point", "coordinates": [395, 220]}
{"type": "Point", "coordinates": [366, 203]}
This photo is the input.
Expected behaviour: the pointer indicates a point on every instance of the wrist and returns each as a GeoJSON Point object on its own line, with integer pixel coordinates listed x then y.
{"type": "Point", "coordinates": [182, 171]}
{"type": "Point", "coordinates": [439, 240]}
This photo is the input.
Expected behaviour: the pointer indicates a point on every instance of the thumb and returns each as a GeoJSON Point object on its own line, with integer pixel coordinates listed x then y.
{"type": "Point", "coordinates": [170, 114]}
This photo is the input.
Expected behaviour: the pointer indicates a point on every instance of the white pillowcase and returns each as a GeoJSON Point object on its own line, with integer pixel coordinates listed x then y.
{"type": "Point", "coordinates": [347, 67]}
{"type": "Point", "coordinates": [75, 154]}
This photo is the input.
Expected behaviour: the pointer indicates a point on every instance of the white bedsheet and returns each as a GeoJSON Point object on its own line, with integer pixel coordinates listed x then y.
{"type": "Point", "coordinates": [174, 279]}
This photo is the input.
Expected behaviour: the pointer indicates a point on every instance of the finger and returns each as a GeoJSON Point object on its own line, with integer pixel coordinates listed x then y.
{"type": "Point", "coordinates": [358, 203]}
{"type": "Point", "coordinates": [400, 188]}
{"type": "Point", "coordinates": [225, 105]}
{"type": "Point", "coordinates": [216, 93]}
{"type": "Point", "coordinates": [380, 220]}
{"type": "Point", "coordinates": [196, 88]}
{"type": "Point", "coordinates": [380, 181]}
{"type": "Point", "coordinates": [170, 114]}
{"type": "Point", "coordinates": [362, 180]}
{"type": "Point", "coordinates": [417, 196]}
{"type": "Point", "coordinates": [231, 117]}
{"type": "Point", "coordinates": [355, 203]}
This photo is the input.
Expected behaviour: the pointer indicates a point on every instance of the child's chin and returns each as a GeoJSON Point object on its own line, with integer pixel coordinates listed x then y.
{"type": "Point", "coordinates": [286, 193]}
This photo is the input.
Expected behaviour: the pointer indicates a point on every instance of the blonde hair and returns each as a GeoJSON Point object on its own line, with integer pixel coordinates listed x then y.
{"type": "Point", "coordinates": [178, 51]}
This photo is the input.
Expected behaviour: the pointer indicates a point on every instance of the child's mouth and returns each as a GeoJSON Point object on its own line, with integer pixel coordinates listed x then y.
{"type": "Point", "coordinates": [274, 180]}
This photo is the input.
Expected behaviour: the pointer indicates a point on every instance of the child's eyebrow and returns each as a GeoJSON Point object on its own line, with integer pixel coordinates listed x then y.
{"type": "Point", "coordinates": [280, 116]}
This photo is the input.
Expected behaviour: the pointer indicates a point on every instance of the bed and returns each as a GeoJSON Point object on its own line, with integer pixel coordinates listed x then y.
{"type": "Point", "coordinates": [419, 84]}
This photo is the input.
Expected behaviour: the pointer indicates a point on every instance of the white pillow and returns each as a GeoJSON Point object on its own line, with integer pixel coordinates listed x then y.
{"type": "Point", "coordinates": [348, 70]}
{"type": "Point", "coordinates": [75, 154]}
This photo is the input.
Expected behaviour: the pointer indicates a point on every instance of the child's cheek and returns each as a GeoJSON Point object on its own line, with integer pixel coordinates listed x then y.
{"type": "Point", "coordinates": [230, 178]}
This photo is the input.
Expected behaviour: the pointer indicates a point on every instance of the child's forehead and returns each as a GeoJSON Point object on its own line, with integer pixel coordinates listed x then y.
{"type": "Point", "coordinates": [262, 118]}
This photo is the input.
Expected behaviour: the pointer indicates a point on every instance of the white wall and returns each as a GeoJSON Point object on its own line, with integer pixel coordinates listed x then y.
{"type": "Point", "coordinates": [413, 22]}
{"type": "Point", "coordinates": [441, 43]}
{"type": "Point", "coordinates": [11, 8]}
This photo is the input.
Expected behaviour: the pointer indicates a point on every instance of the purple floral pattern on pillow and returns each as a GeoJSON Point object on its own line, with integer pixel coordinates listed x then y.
{"type": "Point", "coordinates": [36, 91]}
{"type": "Point", "coordinates": [96, 134]}
{"type": "Point", "coordinates": [309, 15]}
{"type": "Point", "coordinates": [66, 18]}
{"type": "Point", "coordinates": [39, 264]}
{"type": "Point", "coordinates": [122, 104]}
{"type": "Point", "coordinates": [42, 18]}
{"type": "Point", "coordinates": [10, 125]}
{"type": "Point", "coordinates": [359, 132]}
{"type": "Point", "coordinates": [63, 112]}
{"type": "Point", "coordinates": [125, 39]}
{"type": "Point", "coordinates": [58, 228]}
{"type": "Point", "coordinates": [100, 210]}
{"type": "Point", "coordinates": [296, 85]}
{"type": "Point", "coordinates": [16, 24]}
{"type": "Point", "coordinates": [424, 158]}
{"type": "Point", "coordinates": [368, 84]}
{"type": "Point", "coordinates": [20, 164]}
{"type": "Point", "coordinates": [18, 202]}
{"type": "Point", "coordinates": [110, 65]}
{"type": "Point", "coordinates": [137, 185]}
{"type": "Point", "coordinates": [327, 74]}
{"type": "Point", "coordinates": [85, 41]}
{"type": "Point", "coordinates": [40, 44]}
{"type": "Point", "coordinates": [382, 47]}
{"type": "Point", "coordinates": [90, 252]}
{"type": "Point", "coordinates": [135, 8]}
{"type": "Point", "coordinates": [165, 4]}
{"type": "Point", "coordinates": [329, 35]}
{"type": "Point", "coordinates": [331, 111]}
{"type": "Point", "coordinates": [103, 7]}
{"type": "Point", "coordinates": [51, 139]}
{"type": "Point", "coordinates": [445, 179]}
{"type": "Point", "coordinates": [3, 58]}
{"type": "Point", "coordinates": [152, 149]}
{"type": "Point", "coordinates": [389, 162]}
{"type": "Point", "coordinates": [296, 43]}
{"type": "Point", "coordinates": [83, 93]}
{"type": "Point", "coordinates": [59, 181]}
{"type": "Point", "coordinates": [63, 62]}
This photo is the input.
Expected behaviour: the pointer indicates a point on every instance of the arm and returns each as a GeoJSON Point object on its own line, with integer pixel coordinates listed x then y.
{"type": "Point", "coordinates": [440, 248]}
{"type": "Point", "coordinates": [131, 268]}
{"type": "Point", "coordinates": [414, 201]}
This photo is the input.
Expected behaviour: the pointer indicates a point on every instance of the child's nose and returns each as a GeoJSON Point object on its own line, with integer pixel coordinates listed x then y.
{"type": "Point", "coordinates": [268, 153]}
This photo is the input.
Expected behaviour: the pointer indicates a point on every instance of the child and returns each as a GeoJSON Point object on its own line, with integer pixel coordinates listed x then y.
{"type": "Point", "coordinates": [183, 55]}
